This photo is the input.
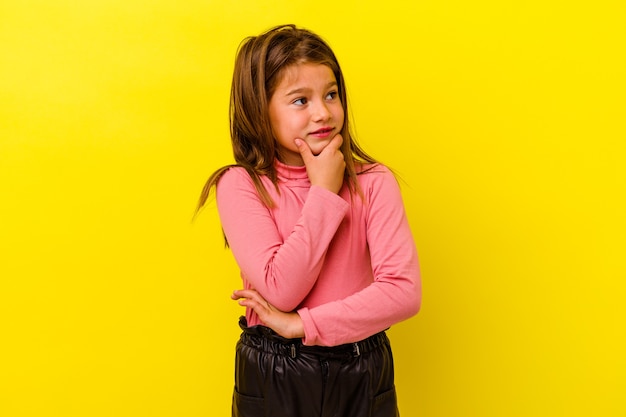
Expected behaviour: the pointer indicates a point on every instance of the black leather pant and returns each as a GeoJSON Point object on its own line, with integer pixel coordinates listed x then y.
{"type": "Point", "coordinates": [278, 377]}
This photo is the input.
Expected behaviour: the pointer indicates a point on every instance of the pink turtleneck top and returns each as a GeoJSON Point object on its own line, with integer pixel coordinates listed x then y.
{"type": "Point", "coordinates": [348, 266]}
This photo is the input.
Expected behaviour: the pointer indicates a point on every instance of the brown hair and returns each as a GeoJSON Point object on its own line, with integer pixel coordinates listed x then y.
{"type": "Point", "coordinates": [259, 67]}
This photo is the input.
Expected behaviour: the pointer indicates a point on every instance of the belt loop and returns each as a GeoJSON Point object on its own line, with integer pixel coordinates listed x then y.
{"type": "Point", "coordinates": [293, 351]}
{"type": "Point", "coordinates": [356, 351]}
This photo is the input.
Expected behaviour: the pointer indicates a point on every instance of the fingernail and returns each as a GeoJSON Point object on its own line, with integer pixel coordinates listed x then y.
{"type": "Point", "coordinates": [298, 142]}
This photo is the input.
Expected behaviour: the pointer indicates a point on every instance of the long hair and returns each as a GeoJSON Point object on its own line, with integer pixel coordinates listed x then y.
{"type": "Point", "coordinates": [259, 68]}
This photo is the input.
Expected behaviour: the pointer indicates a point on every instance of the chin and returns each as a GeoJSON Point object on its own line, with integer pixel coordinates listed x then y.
{"type": "Point", "coordinates": [317, 148]}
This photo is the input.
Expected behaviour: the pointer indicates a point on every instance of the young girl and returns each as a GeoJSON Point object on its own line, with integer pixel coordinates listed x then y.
{"type": "Point", "coordinates": [320, 234]}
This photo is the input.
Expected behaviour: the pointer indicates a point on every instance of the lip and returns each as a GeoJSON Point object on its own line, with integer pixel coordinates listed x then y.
{"type": "Point", "coordinates": [323, 132]}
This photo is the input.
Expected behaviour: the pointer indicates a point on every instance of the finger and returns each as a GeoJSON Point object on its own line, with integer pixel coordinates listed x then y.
{"type": "Point", "coordinates": [252, 296]}
{"type": "Point", "coordinates": [249, 302]}
{"type": "Point", "coordinates": [304, 150]}
{"type": "Point", "coordinates": [334, 144]}
{"type": "Point", "coordinates": [259, 308]}
{"type": "Point", "coordinates": [337, 141]}
{"type": "Point", "coordinates": [237, 294]}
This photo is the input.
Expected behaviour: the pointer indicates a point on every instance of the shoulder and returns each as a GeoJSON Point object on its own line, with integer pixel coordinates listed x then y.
{"type": "Point", "coordinates": [234, 175]}
{"type": "Point", "coordinates": [374, 173]}
{"type": "Point", "coordinates": [233, 180]}
{"type": "Point", "coordinates": [238, 183]}
{"type": "Point", "coordinates": [378, 183]}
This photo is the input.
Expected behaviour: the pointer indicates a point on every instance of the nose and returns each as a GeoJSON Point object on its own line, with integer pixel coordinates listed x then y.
{"type": "Point", "coordinates": [320, 112]}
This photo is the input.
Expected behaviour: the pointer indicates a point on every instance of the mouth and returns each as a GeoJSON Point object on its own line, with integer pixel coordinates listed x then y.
{"type": "Point", "coordinates": [322, 132]}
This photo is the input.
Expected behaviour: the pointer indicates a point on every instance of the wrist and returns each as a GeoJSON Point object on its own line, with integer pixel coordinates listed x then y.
{"type": "Point", "coordinates": [296, 327]}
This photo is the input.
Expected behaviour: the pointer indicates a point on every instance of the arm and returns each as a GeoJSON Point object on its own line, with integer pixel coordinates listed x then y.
{"type": "Point", "coordinates": [287, 325]}
{"type": "Point", "coordinates": [282, 271]}
{"type": "Point", "coordinates": [395, 294]}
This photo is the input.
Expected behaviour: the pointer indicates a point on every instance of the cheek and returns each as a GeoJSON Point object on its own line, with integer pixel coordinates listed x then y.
{"type": "Point", "coordinates": [282, 126]}
{"type": "Point", "coordinates": [339, 115]}
{"type": "Point", "coordinates": [279, 125]}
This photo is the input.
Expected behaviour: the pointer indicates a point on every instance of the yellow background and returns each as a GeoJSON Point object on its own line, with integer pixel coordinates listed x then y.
{"type": "Point", "coordinates": [505, 121]}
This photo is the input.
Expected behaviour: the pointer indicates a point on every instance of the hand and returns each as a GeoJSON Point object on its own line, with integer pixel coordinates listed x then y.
{"type": "Point", "coordinates": [326, 169]}
{"type": "Point", "coordinates": [287, 325]}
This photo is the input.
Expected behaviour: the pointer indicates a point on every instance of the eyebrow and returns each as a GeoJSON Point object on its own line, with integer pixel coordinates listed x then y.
{"type": "Point", "coordinates": [303, 89]}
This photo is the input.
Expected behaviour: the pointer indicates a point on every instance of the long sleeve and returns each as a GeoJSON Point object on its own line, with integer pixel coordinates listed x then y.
{"type": "Point", "coordinates": [279, 256]}
{"type": "Point", "coordinates": [395, 293]}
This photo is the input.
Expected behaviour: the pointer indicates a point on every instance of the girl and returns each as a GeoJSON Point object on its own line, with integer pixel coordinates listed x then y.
{"type": "Point", "coordinates": [320, 234]}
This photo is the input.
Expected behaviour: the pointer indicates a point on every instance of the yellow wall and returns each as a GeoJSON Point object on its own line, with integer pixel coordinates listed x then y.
{"type": "Point", "coordinates": [504, 119]}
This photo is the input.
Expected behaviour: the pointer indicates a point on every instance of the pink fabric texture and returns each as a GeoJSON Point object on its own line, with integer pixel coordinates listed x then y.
{"type": "Point", "coordinates": [347, 265]}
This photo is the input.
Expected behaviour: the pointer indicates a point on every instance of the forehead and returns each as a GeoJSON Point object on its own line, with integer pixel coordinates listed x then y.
{"type": "Point", "coordinates": [305, 75]}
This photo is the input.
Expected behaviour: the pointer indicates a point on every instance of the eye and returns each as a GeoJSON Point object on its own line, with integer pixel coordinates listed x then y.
{"type": "Point", "coordinates": [300, 101]}
{"type": "Point", "coordinates": [332, 95]}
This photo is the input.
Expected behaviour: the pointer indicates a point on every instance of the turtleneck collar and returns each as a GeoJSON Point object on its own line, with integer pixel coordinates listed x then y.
{"type": "Point", "coordinates": [291, 173]}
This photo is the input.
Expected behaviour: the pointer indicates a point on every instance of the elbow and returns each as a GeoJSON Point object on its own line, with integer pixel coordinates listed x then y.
{"type": "Point", "coordinates": [284, 299]}
{"type": "Point", "coordinates": [277, 294]}
{"type": "Point", "coordinates": [284, 304]}
{"type": "Point", "coordinates": [406, 298]}
{"type": "Point", "coordinates": [280, 299]}
{"type": "Point", "coordinates": [417, 293]}
{"type": "Point", "coordinates": [414, 300]}
{"type": "Point", "coordinates": [416, 306]}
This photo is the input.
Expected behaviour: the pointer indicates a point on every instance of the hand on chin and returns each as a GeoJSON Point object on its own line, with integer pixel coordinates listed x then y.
{"type": "Point", "coordinates": [318, 146]}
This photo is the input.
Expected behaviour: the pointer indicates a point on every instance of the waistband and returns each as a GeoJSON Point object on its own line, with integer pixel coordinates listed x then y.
{"type": "Point", "coordinates": [264, 338]}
